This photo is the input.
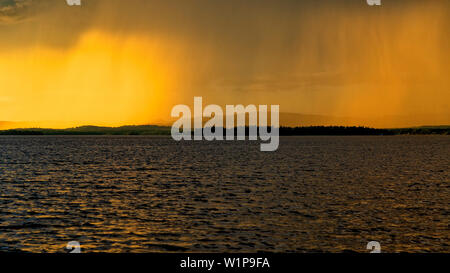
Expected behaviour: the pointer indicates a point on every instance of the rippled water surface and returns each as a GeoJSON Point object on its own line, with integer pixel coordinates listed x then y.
{"type": "Point", "coordinates": [150, 194]}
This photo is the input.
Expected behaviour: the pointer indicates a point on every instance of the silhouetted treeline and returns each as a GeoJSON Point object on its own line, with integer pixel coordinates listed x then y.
{"type": "Point", "coordinates": [284, 131]}
{"type": "Point", "coordinates": [94, 130]}
{"type": "Point", "coordinates": [345, 130]}
{"type": "Point", "coordinates": [332, 130]}
{"type": "Point", "coordinates": [350, 131]}
{"type": "Point", "coordinates": [438, 130]}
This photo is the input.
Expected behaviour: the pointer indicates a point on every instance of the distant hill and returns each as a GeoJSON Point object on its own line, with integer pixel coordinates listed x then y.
{"type": "Point", "coordinates": [286, 119]}
{"type": "Point", "coordinates": [296, 119]}
{"type": "Point", "coordinates": [284, 131]}
{"type": "Point", "coordinates": [93, 130]}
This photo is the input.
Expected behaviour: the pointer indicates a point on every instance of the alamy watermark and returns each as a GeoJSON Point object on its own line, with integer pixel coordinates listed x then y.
{"type": "Point", "coordinates": [374, 246]}
{"type": "Point", "coordinates": [78, 2]}
{"type": "Point", "coordinates": [73, 2]}
{"type": "Point", "coordinates": [74, 246]}
{"type": "Point", "coordinates": [374, 2]}
{"type": "Point", "coordinates": [214, 128]}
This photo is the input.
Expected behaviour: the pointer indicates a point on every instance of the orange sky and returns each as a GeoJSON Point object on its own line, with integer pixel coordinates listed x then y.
{"type": "Point", "coordinates": [112, 62]}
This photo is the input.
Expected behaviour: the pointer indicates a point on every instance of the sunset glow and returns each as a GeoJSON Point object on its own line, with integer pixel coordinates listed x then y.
{"type": "Point", "coordinates": [66, 66]}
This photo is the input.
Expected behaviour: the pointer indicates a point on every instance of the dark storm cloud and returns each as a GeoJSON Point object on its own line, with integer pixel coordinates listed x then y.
{"type": "Point", "coordinates": [347, 51]}
{"type": "Point", "coordinates": [50, 23]}
{"type": "Point", "coordinates": [238, 26]}
{"type": "Point", "coordinates": [244, 41]}
{"type": "Point", "coordinates": [12, 11]}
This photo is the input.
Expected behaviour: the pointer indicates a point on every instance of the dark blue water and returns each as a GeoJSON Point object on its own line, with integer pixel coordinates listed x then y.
{"type": "Point", "coordinates": [151, 194]}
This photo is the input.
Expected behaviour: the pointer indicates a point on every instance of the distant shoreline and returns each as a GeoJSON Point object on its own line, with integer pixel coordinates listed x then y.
{"type": "Point", "coordinates": [284, 131]}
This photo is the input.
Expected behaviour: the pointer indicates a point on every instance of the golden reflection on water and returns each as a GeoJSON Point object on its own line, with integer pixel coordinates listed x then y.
{"type": "Point", "coordinates": [151, 194]}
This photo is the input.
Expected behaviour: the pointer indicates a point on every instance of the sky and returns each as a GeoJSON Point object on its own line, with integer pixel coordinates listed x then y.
{"type": "Point", "coordinates": [117, 62]}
